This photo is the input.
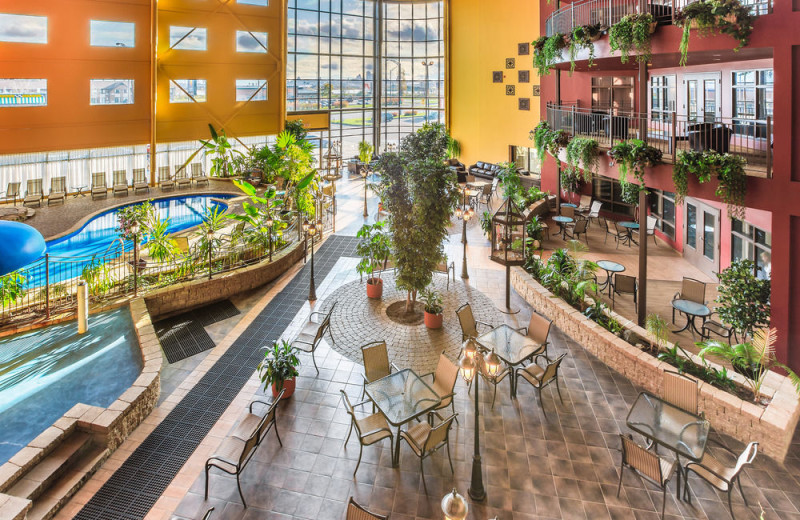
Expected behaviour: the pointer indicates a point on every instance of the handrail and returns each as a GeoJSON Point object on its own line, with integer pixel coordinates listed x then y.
{"type": "Point", "coordinates": [671, 133]}
{"type": "Point", "coordinates": [608, 12]}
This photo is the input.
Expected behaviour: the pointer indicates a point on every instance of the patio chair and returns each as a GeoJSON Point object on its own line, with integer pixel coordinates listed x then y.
{"type": "Point", "coordinates": [647, 465]}
{"type": "Point", "coordinates": [469, 325]}
{"type": "Point", "coordinates": [651, 228]}
{"type": "Point", "coordinates": [99, 186]}
{"type": "Point", "coordinates": [680, 390]}
{"type": "Point", "coordinates": [312, 333]}
{"type": "Point", "coordinates": [140, 180]}
{"type": "Point", "coordinates": [621, 234]}
{"type": "Point", "coordinates": [238, 448]}
{"type": "Point", "coordinates": [577, 229]}
{"type": "Point", "coordinates": [34, 193]}
{"type": "Point", "coordinates": [197, 174]}
{"type": "Point", "coordinates": [376, 362]}
{"type": "Point", "coordinates": [164, 179]}
{"type": "Point", "coordinates": [120, 182]}
{"type": "Point", "coordinates": [538, 330]}
{"type": "Point", "coordinates": [443, 383]}
{"type": "Point", "coordinates": [12, 192]}
{"type": "Point", "coordinates": [485, 196]}
{"type": "Point", "coordinates": [540, 377]}
{"type": "Point", "coordinates": [370, 429]}
{"type": "Point", "coordinates": [424, 440]}
{"type": "Point", "coordinates": [355, 511]}
{"type": "Point", "coordinates": [58, 190]}
{"type": "Point", "coordinates": [623, 284]}
{"type": "Point", "coordinates": [182, 177]}
{"type": "Point", "coordinates": [470, 178]}
{"type": "Point", "coordinates": [495, 182]}
{"type": "Point", "coordinates": [447, 267]}
{"type": "Point", "coordinates": [719, 475]}
{"type": "Point", "coordinates": [594, 211]}
{"type": "Point", "coordinates": [616, 233]}
{"type": "Point", "coordinates": [493, 380]}
{"type": "Point", "coordinates": [584, 204]}
{"type": "Point", "coordinates": [692, 290]}
{"type": "Point", "coordinates": [567, 211]}
{"type": "Point", "coordinates": [716, 326]}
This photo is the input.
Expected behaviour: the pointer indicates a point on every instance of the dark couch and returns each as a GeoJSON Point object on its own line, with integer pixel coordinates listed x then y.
{"type": "Point", "coordinates": [485, 170]}
{"type": "Point", "coordinates": [709, 136]}
{"type": "Point", "coordinates": [459, 168]}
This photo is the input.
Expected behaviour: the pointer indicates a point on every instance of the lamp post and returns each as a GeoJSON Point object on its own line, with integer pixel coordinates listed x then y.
{"type": "Point", "coordinates": [473, 362]}
{"type": "Point", "coordinates": [210, 240]}
{"type": "Point", "coordinates": [454, 506]}
{"type": "Point", "coordinates": [464, 212]}
{"type": "Point", "coordinates": [269, 222]}
{"type": "Point", "coordinates": [135, 232]}
{"type": "Point", "coordinates": [427, 65]}
{"type": "Point", "coordinates": [311, 230]}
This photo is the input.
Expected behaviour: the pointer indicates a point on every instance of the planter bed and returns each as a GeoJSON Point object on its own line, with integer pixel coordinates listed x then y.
{"type": "Point", "coordinates": [772, 426]}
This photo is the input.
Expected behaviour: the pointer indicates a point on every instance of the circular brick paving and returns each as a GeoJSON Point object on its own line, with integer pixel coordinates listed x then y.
{"type": "Point", "coordinates": [357, 320]}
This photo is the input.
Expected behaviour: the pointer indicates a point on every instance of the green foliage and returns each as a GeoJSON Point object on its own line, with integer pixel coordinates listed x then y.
{"type": "Point", "coordinates": [257, 212]}
{"type": "Point", "coordinates": [634, 156]}
{"type": "Point", "coordinates": [681, 360]}
{"type": "Point", "coordinates": [12, 287]}
{"type": "Point", "coordinates": [547, 51]}
{"type": "Point", "coordinates": [743, 299]}
{"type": "Point", "coordinates": [510, 181]}
{"type": "Point", "coordinates": [453, 148]}
{"type": "Point", "coordinates": [629, 192]}
{"type": "Point", "coordinates": [565, 276]}
{"type": "Point", "coordinates": [420, 193]}
{"type": "Point", "coordinates": [297, 129]}
{"type": "Point", "coordinates": [584, 152]}
{"type": "Point", "coordinates": [98, 277]}
{"type": "Point", "coordinates": [279, 365]}
{"type": "Point", "coordinates": [535, 229]}
{"type": "Point", "coordinates": [433, 301]}
{"type": "Point", "coordinates": [296, 168]}
{"type": "Point", "coordinates": [160, 245]}
{"type": "Point", "coordinates": [571, 180]}
{"type": "Point", "coordinates": [658, 328]}
{"type": "Point", "coordinates": [374, 248]}
{"type": "Point", "coordinates": [726, 16]}
{"type": "Point", "coordinates": [545, 139]}
{"type": "Point", "coordinates": [598, 312]}
{"type": "Point", "coordinates": [209, 235]}
{"type": "Point", "coordinates": [582, 38]}
{"type": "Point", "coordinates": [223, 155]}
{"type": "Point", "coordinates": [134, 214]}
{"type": "Point", "coordinates": [365, 152]}
{"type": "Point", "coordinates": [632, 33]}
{"type": "Point", "coordinates": [486, 223]}
{"type": "Point", "coordinates": [732, 188]}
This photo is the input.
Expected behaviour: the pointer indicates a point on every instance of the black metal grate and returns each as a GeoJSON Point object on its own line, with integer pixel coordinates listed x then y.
{"type": "Point", "coordinates": [183, 335]}
{"type": "Point", "coordinates": [133, 489]}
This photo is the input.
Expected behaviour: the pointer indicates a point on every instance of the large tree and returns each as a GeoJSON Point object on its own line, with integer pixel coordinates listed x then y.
{"type": "Point", "coordinates": [420, 192]}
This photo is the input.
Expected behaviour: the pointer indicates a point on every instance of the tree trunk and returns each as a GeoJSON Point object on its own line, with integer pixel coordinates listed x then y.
{"type": "Point", "coordinates": [409, 305]}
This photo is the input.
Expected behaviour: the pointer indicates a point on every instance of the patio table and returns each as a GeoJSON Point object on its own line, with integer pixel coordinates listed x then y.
{"type": "Point", "coordinates": [569, 205]}
{"type": "Point", "coordinates": [511, 346]}
{"type": "Point", "coordinates": [610, 268]}
{"type": "Point", "coordinates": [692, 310]}
{"type": "Point", "coordinates": [629, 227]}
{"type": "Point", "coordinates": [562, 224]}
{"type": "Point", "coordinates": [677, 430]}
{"type": "Point", "coordinates": [478, 184]}
{"type": "Point", "coordinates": [402, 397]}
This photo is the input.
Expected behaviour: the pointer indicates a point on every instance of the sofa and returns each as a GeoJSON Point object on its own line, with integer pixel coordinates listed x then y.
{"type": "Point", "coordinates": [485, 170]}
{"type": "Point", "coordinates": [459, 168]}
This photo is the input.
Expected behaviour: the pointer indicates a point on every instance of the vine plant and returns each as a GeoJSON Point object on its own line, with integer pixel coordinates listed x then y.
{"type": "Point", "coordinates": [726, 16]}
{"type": "Point", "coordinates": [546, 51]}
{"type": "Point", "coordinates": [633, 157]}
{"type": "Point", "coordinates": [632, 33]}
{"type": "Point", "coordinates": [729, 169]}
{"type": "Point", "coordinates": [545, 139]}
{"type": "Point", "coordinates": [584, 152]}
{"type": "Point", "coordinates": [582, 38]}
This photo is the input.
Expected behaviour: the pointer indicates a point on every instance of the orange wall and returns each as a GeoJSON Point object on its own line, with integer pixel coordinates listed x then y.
{"type": "Point", "coordinates": [482, 117]}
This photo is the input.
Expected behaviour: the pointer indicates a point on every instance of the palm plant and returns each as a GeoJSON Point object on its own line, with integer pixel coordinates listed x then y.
{"type": "Point", "coordinates": [258, 213]}
{"type": "Point", "coordinates": [374, 248]}
{"type": "Point", "coordinates": [223, 154]}
{"type": "Point", "coordinates": [160, 245]}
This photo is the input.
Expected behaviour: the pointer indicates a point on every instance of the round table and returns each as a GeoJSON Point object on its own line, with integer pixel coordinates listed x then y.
{"type": "Point", "coordinates": [562, 223]}
{"type": "Point", "coordinates": [569, 205]}
{"type": "Point", "coordinates": [478, 184]}
{"type": "Point", "coordinates": [692, 310]}
{"type": "Point", "coordinates": [630, 226]}
{"type": "Point", "coordinates": [610, 268]}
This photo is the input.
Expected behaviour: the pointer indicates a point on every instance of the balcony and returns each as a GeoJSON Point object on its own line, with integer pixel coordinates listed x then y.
{"type": "Point", "coordinates": [671, 133]}
{"type": "Point", "coordinates": [609, 12]}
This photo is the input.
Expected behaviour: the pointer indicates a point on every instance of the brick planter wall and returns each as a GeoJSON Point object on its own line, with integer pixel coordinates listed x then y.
{"type": "Point", "coordinates": [772, 427]}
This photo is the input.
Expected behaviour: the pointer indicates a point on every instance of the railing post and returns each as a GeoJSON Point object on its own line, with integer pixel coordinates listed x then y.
{"type": "Point", "coordinates": [47, 285]}
{"type": "Point", "coordinates": [610, 128]}
{"type": "Point", "coordinates": [673, 143]}
{"type": "Point", "coordinates": [572, 120]}
{"type": "Point", "coordinates": [769, 147]}
{"type": "Point", "coordinates": [672, 12]}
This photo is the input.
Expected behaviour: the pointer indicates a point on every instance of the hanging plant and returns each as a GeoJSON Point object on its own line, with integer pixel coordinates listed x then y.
{"type": "Point", "coordinates": [571, 180]}
{"type": "Point", "coordinates": [545, 139]}
{"type": "Point", "coordinates": [585, 153]}
{"type": "Point", "coordinates": [634, 156]}
{"type": "Point", "coordinates": [729, 169]}
{"type": "Point", "coordinates": [632, 33]}
{"type": "Point", "coordinates": [725, 16]}
{"type": "Point", "coordinates": [582, 37]}
{"type": "Point", "coordinates": [546, 51]}
{"type": "Point", "coordinates": [630, 193]}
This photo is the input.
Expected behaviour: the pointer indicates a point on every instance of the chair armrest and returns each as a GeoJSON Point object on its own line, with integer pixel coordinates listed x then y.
{"type": "Point", "coordinates": [490, 326]}
{"type": "Point", "coordinates": [521, 329]}
{"type": "Point", "coordinates": [223, 459]}
{"type": "Point", "coordinates": [432, 374]}
{"type": "Point", "coordinates": [362, 403]}
{"type": "Point", "coordinates": [676, 296]}
{"type": "Point", "coordinates": [394, 367]}
{"type": "Point", "coordinates": [259, 401]}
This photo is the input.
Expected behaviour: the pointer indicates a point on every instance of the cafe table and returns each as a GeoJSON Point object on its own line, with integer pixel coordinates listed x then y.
{"type": "Point", "coordinates": [511, 346]}
{"type": "Point", "coordinates": [610, 268]}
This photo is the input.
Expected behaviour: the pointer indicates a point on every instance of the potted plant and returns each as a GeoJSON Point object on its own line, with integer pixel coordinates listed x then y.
{"type": "Point", "coordinates": [728, 168]}
{"type": "Point", "coordinates": [584, 152]}
{"type": "Point", "coordinates": [278, 369]}
{"type": "Point", "coordinates": [726, 16]}
{"type": "Point", "coordinates": [632, 33]}
{"type": "Point", "coordinates": [634, 156]}
{"type": "Point", "coordinates": [546, 51]}
{"type": "Point", "coordinates": [486, 223]}
{"type": "Point", "coordinates": [374, 248]}
{"type": "Point", "coordinates": [582, 37]}
{"type": "Point", "coordinates": [743, 298]}
{"type": "Point", "coordinates": [434, 312]}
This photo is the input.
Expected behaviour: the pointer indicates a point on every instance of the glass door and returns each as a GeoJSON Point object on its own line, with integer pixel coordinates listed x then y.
{"type": "Point", "coordinates": [702, 97]}
{"type": "Point", "coordinates": [701, 236]}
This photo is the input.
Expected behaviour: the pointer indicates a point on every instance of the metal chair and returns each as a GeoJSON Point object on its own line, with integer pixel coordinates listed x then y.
{"type": "Point", "coordinates": [692, 290]}
{"type": "Point", "coordinates": [140, 180]}
{"type": "Point", "coordinates": [58, 190]}
{"type": "Point", "coordinates": [578, 229]}
{"type": "Point", "coordinates": [681, 391]}
{"type": "Point", "coordinates": [355, 511]}
{"type": "Point", "coordinates": [34, 193]}
{"type": "Point", "coordinates": [647, 465]}
{"type": "Point", "coordinates": [538, 330]}
{"type": "Point", "coordinates": [540, 377]}
{"type": "Point", "coordinates": [99, 187]}
{"type": "Point", "coordinates": [370, 429]}
{"type": "Point", "coordinates": [622, 234]}
{"type": "Point", "coordinates": [594, 211]}
{"type": "Point", "coordinates": [616, 233]}
{"type": "Point", "coordinates": [443, 383]}
{"type": "Point", "coordinates": [447, 268]}
{"type": "Point", "coordinates": [719, 475]}
{"type": "Point", "coordinates": [493, 380]}
{"type": "Point", "coordinates": [237, 449]}
{"type": "Point", "coordinates": [376, 362]}
{"type": "Point", "coordinates": [717, 327]}
{"type": "Point", "coordinates": [623, 284]}
{"type": "Point", "coordinates": [120, 182]}
{"type": "Point", "coordinates": [567, 211]}
{"type": "Point", "coordinates": [424, 439]}
{"type": "Point", "coordinates": [197, 174]}
{"type": "Point", "coordinates": [485, 196]}
{"type": "Point", "coordinates": [164, 178]}
{"type": "Point", "coordinates": [469, 325]}
{"type": "Point", "coordinates": [651, 228]}
{"type": "Point", "coordinates": [311, 334]}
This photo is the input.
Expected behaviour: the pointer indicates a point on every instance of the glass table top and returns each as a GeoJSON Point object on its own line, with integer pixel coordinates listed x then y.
{"type": "Point", "coordinates": [402, 396]}
{"type": "Point", "coordinates": [559, 218]}
{"type": "Point", "coordinates": [568, 205]}
{"type": "Point", "coordinates": [608, 265]}
{"type": "Point", "coordinates": [630, 225]}
{"type": "Point", "coordinates": [690, 307]}
{"type": "Point", "coordinates": [509, 345]}
{"type": "Point", "coordinates": [678, 430]}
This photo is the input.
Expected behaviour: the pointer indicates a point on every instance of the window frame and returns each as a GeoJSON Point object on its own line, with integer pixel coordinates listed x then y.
{"type": "Point", "coordinates": [117, 44]}
{"type": "Point", "coordinates": [753, 246]}
{"type": "Point", "coordinates": [182, 39]}
{"type": "Point", "coordinates": [19, 95]}
{"type": "Point", "coordinates": [34, 42]}
{"type": "Point", "coordinates": [615, 205]}
{"type": "Point", "coordinates": [657, 199]}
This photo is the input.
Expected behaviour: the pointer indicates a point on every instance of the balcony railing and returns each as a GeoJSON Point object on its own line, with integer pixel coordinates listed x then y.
{"type": "Point", "coordinates": [609, 12]}
{"type": "Point", "coordinates": [671, 132]}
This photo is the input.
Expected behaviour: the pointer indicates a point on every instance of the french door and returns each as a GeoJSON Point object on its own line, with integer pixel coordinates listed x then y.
{"type": "Point", "coordinates": [701, 236]}
{"type": "Point", "coordinates": [702, 97]}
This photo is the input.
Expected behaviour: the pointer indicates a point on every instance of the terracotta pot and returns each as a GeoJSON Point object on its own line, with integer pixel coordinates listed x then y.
{"type": "Point", "coordinates": [433, 321]}
{"type": "Point", "coordinates": [375, 288]}
{"type": "Point", "coordinates": [288, 385]}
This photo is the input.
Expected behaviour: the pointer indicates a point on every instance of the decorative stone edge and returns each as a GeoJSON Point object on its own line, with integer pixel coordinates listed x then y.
{"type": "Point", "coordinates": [771, 426]}
{"type": "Point", "coordinates": [109, 426]}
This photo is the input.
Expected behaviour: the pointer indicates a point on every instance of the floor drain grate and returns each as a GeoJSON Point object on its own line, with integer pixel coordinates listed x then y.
{"type": "Point", "coordinates": [181, 337]}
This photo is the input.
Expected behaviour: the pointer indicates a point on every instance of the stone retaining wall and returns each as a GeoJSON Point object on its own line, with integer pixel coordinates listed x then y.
{"type": "Point", "coordinates": [772, 426]}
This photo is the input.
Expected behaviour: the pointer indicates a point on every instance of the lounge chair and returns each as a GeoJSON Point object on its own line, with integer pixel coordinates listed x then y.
{"type": "Point", "coordinates": [140, 180]}
{"type": "Point", "coordinates": [311, 334]}
{"type": "Point", "coordinates": [99, 187]}
{"type": "Point", "coordinates": [182, 177]}
{"type": "Point", "coordinates": [34, 194]}
{"type": "Point", "coordinates": [120, 182]}
{"type": "Point", "coordinates": [197, 174]}
{"type": "Point", "coordinates": [540, 377]}
{"type": "Point", "coordinates": [164, 179]}
{"type": "Point", "coordinates": [12, 192]}
{"type": "Point", "coordinates": [58, 190]}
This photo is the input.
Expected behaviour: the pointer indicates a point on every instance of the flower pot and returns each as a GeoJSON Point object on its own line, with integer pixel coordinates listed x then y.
{"type": "Point", "coordinates": [288, 385]}
{"type": "Point", "coordinates": [433, 321]}
{"type": "Point", "coordinates": [375, 288]}
{"type": "Point", "coordinates": [653, 27]}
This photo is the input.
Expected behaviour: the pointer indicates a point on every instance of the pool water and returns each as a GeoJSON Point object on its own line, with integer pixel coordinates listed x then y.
{"type": "Point", "coordinates": [44, 373]}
